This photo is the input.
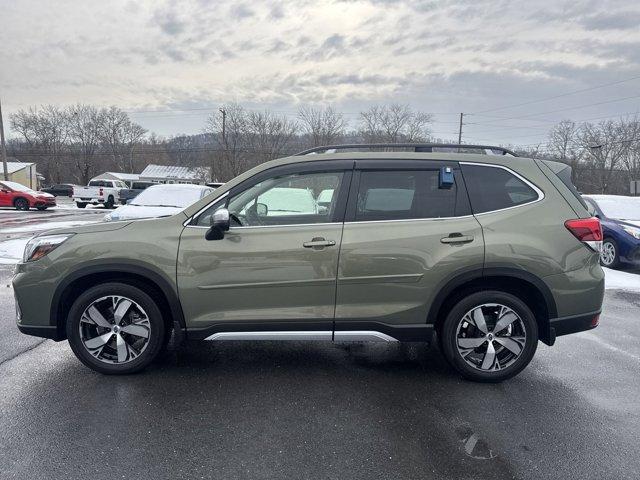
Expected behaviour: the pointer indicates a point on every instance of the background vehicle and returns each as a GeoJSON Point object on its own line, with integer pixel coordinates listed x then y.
{"type": "Point", "coordinates": [489, 253]}
{"type": "Point", "coordinates": [13, 194]}
{"type": "Point", "coordinates": [128, 194]}
{"type": "Point", "coordinates": [59, 190]}
{"type": "Point", "coordinates": [620, 218]}
{"type": "Point", "coordinates": [160, 201]}
{"type": "Point", "coordinates": [99, 192]}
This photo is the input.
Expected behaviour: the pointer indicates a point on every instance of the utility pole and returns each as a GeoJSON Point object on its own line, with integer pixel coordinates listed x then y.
{"type": "Point", "coordinates": [224, 138]}
{"type": "Point", "coordinates": [3, 148]}
{"type": "Point", "coordinates": [460, 130]}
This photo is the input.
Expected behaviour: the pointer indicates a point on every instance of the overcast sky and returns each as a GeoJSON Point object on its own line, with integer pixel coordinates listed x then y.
{"type": "Point", "coordinates": [169, 62]}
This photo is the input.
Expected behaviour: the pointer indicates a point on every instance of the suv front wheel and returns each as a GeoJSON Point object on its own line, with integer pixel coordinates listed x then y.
{"type": "Point", "coordinates": [115, 328]}
{"type": "Point", "coordinates": [489, 336]}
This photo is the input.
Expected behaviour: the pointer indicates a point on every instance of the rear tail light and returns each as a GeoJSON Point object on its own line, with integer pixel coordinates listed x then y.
{"type": "Point", "coordinates": [587, 230]}
{"type": "Point", "coordinates": [595, 321]}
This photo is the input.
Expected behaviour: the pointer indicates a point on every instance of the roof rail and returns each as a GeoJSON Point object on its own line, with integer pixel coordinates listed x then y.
{"type": "Point", "coordinates": [417, 147]}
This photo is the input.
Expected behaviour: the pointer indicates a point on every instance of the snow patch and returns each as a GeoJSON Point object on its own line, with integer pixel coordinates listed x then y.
{"type": "Point", "coordinates": [11, 250]}
{"type": "Point", "coordinates": [621, 280]}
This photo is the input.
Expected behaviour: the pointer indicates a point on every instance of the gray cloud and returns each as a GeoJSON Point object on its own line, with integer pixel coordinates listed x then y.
{"type": "Point", "coordinates": [240, 11]}
{"type": "Point", "coordinates": [612, 21]}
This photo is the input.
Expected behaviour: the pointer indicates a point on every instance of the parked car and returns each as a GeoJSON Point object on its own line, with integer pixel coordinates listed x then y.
{"type": "Point", "coordinates": [406, 251]}
{"type": "Point", "coordinates": [160, 201]}
{"type": "Point", "coordinates": [59, 190]}
{"type": "Point", "coordinates": [99, 192]}
{"type": "Point", "coordinates": [620, 219]}
{"type": "Point", "coordinates": [128, 194]}
{"type": "Point", "coordinates": [13, 194]}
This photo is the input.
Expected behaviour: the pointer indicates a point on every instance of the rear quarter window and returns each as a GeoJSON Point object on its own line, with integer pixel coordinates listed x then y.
{"type": "Point", "coordinates": [493, 188]}
{"type": "Point", "coordinates": [565, 177]}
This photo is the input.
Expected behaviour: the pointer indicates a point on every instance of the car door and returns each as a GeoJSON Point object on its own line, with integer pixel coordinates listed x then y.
{"type": "Point", "coordinates": [407, 233]}
{"type": "Point", "coordinates": [6, 196]}
{"type": "Point", "coordinates": [276, 267]}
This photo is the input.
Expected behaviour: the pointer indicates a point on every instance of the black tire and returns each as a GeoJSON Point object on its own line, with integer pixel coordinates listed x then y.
{"type": "Point", "coordinates": [42, 209]}
{"type": "Point", "coordinates": [109, 203]}
{"type": "Point", "coordinates": [157, 333]}
{"type": "Point", "coordinates": [81, 204]}
{"type": "Point", "coordinates": [21, 203]}
{"type": "Point", "coordinates": [449, 335]}
{"type": "Point", "coordinates": [610, 243]}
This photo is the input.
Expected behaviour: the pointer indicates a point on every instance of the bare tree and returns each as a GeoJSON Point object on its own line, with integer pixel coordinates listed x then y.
{"type": "Point", "coordinates": [631, 159]}
{"type": "Point", "coordinates": [565, 143]}
{"type": "Point", "coordinates": [46, 130]}
{"type": "Point", "coordinates": [231, 146]}
{"type": "Point", "coordinates": [268, 135]}
{"type": "Point", "coordinates": [324, 126]}
{"type": "Point", "coordinates": [605, 148]}
{"type": "Point", "coordinates": [84, 134]}
{"type": "Point", "coordinates": [120, 136]}
{"type": "Point", "coordinates": [394, 123]}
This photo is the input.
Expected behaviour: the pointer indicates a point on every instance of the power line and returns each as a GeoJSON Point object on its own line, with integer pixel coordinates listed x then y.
{"type": "Point", "coordinates": [526, 117]}
{"type": "Point", "coordinates": [560, 95]}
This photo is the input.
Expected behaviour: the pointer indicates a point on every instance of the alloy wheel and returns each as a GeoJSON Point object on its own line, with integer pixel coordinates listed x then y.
{"type": "Point", "coordinates": [608, 254]}
{"type": "Point", "coordinates": [490, 337]}
{"type": "Point", "coordinates": [115, 329]}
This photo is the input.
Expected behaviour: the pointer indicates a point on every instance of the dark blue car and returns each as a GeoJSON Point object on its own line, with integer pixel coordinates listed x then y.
{"type": "Point", "coordinates": [620, 219]}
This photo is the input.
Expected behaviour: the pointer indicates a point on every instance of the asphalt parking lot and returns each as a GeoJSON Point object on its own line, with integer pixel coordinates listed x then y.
{"type": "Point", "coordinates": [319, 410]}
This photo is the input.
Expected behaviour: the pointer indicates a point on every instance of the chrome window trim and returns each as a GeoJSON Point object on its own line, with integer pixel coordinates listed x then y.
{"type": "Point", "coordinates": [428, 219]}
{"type": "Point", "coordinates": [289, 225]}
{"type": "Point", "coordinates": [535, 188]}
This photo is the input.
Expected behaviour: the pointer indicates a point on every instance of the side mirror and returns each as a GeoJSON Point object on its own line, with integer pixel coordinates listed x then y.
{"type": "Point", "coordinates": [219, 225]}
{"type": "Point", "coordinates": [262, 210]}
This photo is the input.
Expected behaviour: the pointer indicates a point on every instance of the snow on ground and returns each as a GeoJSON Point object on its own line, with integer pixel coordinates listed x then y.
{"type": "Point", "coordinates": [11, 250]}
{"type": "Point", "coordinates": [621, 280]}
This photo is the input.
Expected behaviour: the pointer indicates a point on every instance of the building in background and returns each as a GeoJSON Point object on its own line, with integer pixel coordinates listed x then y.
{"type": "Point", "coordinates": [24, 173]}
{"type": "Point", "coordinates": [174, 174]}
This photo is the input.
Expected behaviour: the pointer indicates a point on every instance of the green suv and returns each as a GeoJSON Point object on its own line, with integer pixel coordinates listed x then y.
{"type": "Point", "coordinates": [487, 252]}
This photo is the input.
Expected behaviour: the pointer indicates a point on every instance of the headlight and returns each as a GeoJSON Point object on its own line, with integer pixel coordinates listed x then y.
{"type": "Point", "coordinates": [107, 218]}
{"type": "Point", "coordinates": [39, 247]}
{"type": "Point", "coordinates": [634, 232]}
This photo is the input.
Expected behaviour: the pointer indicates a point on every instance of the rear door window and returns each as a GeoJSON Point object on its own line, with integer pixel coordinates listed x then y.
{"type": "Point", "coordinates": [405, 194]}
{"type": "Point", "coordinates": [495, 188]}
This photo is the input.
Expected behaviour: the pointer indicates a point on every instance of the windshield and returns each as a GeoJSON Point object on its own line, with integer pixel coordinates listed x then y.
{"type": "Point", "coordinates": [168, 196]}
{"type": "Point", "coordinates": [618, 206]}
{"type": "Point", "coordinates": [18, 187]}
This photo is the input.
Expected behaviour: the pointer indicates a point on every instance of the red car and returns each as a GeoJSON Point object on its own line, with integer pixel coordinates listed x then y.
{"type": "Point", "coordinates": [16, 195]}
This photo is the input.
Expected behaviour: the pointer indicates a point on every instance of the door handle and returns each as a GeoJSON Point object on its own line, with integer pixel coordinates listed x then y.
{"type": "Point", "coordinates": [457, 238]}
{"type": "Point", "coordinates": [318, 243]}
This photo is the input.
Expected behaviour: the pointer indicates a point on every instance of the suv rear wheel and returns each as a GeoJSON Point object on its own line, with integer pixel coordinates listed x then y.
{"type": "Point", "coordinates": [489, 336]}
{"type": "Point", "coordinates": [115, 328]}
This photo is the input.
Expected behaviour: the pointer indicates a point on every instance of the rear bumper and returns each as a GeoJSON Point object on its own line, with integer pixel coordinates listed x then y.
{"type": "Point", "coordinates": [44, 331]}
{"type": "Point", "coordinates": [573, 324]}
